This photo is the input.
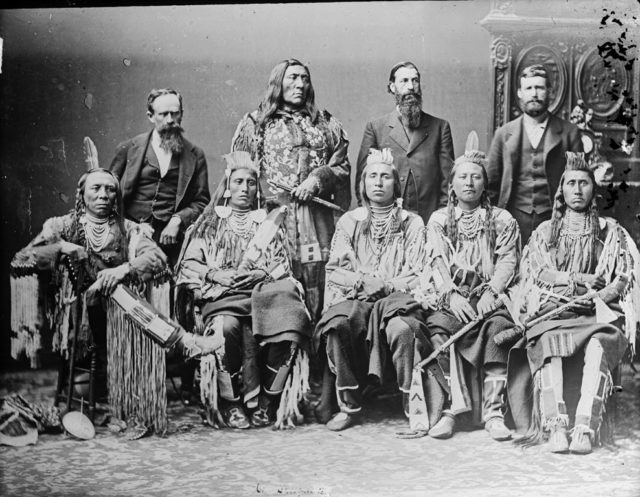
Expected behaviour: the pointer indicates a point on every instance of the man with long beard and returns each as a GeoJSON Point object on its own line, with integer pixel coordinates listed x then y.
{"type": "Point", "coordinates": [527, 156]}
{"type": "Point", "coordinates": [163, 175]}
{"type": "Point", "coordinates": [421, 144]}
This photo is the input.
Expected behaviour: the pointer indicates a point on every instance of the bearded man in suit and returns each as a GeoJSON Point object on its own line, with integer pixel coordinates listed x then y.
{"type": "Point", "coordinates": [527, 156]}
{"type": "Point", "coordinates": [163, 176]}
{"type": "Point", "coordinates": [421, 144]}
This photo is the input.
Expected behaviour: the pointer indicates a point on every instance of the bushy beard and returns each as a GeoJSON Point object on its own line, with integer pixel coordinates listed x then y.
{"type": "Point", "coordinates": [171, 139]}
{"type": "Point", "coordinates": [534, 107]}
{"type": "Point", "coordinates": [410, 107]}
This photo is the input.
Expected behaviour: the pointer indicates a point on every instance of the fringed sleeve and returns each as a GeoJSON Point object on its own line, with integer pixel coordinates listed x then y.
{"type": "Point", "coordinates": [31, 308]}
{"type": "Point", "coordinates": [207, 253]}
{"type": "Point", "coordinates": [414, 248]}
{"type": "Point", "coordinates": [333, 177]}
{"type": "Point", "coordinates": [619, 266]}
{"type": "Point", "coordinates": [342, 277]}
{"type": "Point", "coordinates": [413, 254]}
{"type": "Point", "coordinates": [507, 251]}
{"type": "Point", "coordinates": [149, 264]}
{"type": "Point", "coordinates": [630, 297]}
{"type": "Point", "coordinates": [276, 261]}
{"type": "Point", "coordinates": [192, 267]}
{"type": "Point", "coordinates": [424, 292]}
{"type": "Point", "coordinates": [539, 276]}
{"type": "Point", "coordinates": [436, 284]}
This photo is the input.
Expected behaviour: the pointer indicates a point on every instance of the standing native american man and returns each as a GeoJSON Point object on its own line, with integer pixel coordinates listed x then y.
{"type": "Point", "coordinates": [560, 374]}
{"type": "Point", "coordinates": [305, 150]}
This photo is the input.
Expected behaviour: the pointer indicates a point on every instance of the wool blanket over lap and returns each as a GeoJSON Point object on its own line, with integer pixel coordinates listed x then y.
{"type": "Point", "coordinates": [236, 304]}
{"type": "Point", "coordinates": [567, 338]}
{"type": "Point", "coordinates": [279, 314]}
{"type": "Point", "coordinates": [477, 345]}
{"type": "Point", "coordinates": [406, 308]}
{"type": "Point", "coordinates": [477, 348]}
{"type": "Point", "coordinates": [369, 321]}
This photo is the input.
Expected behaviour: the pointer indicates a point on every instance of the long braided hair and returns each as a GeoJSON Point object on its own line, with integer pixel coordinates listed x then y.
{"type": "Point", "coordinates": [489, 225]}
{"type": "Point", "coordinates": [575, 162]}
{"type": "Point", "coordinates": [75, 233]}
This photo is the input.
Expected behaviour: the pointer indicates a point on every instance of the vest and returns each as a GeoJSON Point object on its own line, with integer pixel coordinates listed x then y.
{"type": "Point", "coordinates": [155, 197]}
{"type": "Point", "coordinates": [531, 190]}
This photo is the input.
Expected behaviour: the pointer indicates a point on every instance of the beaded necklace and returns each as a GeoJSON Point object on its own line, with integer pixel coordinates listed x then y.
{"type": "Point", "coordinates": [576, 247]}
{"type": "Point", "coordinates": [576, 224]}
{"type": "Point", "coordinates": [240, 222]}
{"type": "Point", "coordinates": [96, 231]}
{"type": "Point", "coordinates": [470, 223]}
{"type": "Point", "coordinates": [381, 222]}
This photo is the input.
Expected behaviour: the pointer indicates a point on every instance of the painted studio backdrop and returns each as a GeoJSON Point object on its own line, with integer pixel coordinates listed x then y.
{"type": "Point", "coordinates": [71, 73]}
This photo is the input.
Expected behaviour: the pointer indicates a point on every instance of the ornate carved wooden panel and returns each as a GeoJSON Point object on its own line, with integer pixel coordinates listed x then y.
{"type": "Point", "coordinates": [588, 60]}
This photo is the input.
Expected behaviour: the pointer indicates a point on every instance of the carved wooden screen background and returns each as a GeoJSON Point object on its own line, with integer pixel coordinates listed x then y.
{"type": "Point", "coordinates": [589, 54]}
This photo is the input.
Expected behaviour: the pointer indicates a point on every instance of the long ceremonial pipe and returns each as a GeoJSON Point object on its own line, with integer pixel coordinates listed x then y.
{"type": "Point", "coordinates": [456, 336]}
{"type": "Point", "coordinates": [559, 309]}
{"type": "Point", "coordinates": [317, 200]}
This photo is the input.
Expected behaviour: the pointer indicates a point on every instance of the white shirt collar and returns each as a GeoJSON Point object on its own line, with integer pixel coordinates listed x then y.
{"type": "Point", "coordinates": [164, 157]}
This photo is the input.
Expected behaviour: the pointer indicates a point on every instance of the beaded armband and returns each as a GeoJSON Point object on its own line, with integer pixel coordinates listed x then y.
{"type": "Point", "coordinates": [23, 264]}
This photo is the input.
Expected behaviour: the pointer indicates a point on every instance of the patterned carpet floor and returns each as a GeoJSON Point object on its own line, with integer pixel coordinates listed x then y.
{"type": "Point", "coordinates": [366, 460]}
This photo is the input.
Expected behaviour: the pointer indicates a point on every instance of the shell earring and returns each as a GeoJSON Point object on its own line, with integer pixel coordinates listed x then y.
{"type": "Point", "coordinates": [224, 211]}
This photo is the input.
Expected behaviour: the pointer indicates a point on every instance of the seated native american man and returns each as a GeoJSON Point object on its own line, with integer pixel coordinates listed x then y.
{"type": "Point", "coordinates": [369, 315]}
{"type": "Point", "coordinates": [585, 269]}
{"type": "Point", "coordinates": [112, 250]}
{"type": "Point", "coordinates": [472, 253]}
{"type": "Point", "coordinates": [237, 264]}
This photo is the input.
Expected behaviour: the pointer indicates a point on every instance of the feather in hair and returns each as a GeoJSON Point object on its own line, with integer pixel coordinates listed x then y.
{"type": "Point", "coordinates": [90, 154]}
{"type": "Point", "coordinates": [473, 142]}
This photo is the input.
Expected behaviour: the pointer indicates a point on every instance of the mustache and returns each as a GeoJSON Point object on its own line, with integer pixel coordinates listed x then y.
{"type": "Point", "coordinates": [411, 96]}
{"type": "Point", "coordinates": [170, 129]}
{"type": "Point", "coordinates": [171, 138]}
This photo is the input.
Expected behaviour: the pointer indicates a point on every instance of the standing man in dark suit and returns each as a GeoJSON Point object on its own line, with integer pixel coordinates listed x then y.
{"type": "Point", "coordinates": [421, 144]}
{"type": "Point", "coordinates": [163, 175]}
{"type": "Point", "coordinates": [527, 156]}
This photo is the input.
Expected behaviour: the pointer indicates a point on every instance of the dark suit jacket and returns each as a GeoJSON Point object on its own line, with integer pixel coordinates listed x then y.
{"type": "Point", "coordinates": [505, 154]}
{"type": "Point", "coordinates": [425, 163]}
{"type": "Point", "coordinates": [192, 194]}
